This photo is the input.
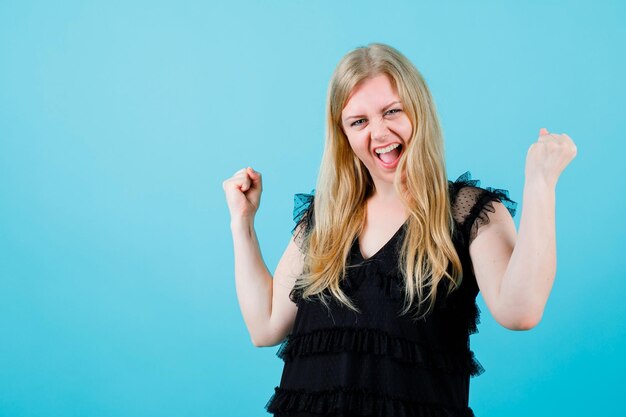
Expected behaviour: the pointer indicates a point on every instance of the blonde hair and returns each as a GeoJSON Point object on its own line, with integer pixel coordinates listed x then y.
{"type": "Point", "coordinates": [344, 184]}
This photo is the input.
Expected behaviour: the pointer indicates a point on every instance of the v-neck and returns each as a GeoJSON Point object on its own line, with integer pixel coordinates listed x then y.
{"type": "Point", "coordinates": [357, 244]}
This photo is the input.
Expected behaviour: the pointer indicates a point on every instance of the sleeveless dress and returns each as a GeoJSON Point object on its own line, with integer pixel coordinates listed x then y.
{"type": "Point", "coordinates": [378, 362]}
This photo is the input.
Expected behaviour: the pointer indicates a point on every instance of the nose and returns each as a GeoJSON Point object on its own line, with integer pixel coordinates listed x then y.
{"type": "Point", "coordinates": [379, 130]}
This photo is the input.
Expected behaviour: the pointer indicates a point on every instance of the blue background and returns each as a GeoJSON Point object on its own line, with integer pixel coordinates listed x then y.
{"type": "Point", "coordinates": [120, 120]}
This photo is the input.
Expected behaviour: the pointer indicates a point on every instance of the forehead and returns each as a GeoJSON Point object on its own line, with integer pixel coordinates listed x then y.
{"type": "Point", "coordinates": [373, 92]}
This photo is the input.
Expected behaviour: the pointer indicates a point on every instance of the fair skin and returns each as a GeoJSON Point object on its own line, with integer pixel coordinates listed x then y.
{"type": "Point", "coordinates": [265, 305]}
{"type": "Point", "coordinates": [514, 271]}
{"type": "Point", "coordinates": [374, 118]}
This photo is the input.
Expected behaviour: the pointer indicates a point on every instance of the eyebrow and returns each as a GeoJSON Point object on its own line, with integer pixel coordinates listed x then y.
{"type": "Point", "coordinates": [383, 109]}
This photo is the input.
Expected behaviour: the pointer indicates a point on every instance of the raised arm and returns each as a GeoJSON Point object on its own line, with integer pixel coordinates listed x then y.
{"type": "Point", "coordinates": [264, 301]}
{"type": "Point", "coordinates": [515, 273]}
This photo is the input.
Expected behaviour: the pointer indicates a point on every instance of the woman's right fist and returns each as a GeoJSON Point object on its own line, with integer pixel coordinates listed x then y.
{"type": "Point", "coordinates": [243, 193]}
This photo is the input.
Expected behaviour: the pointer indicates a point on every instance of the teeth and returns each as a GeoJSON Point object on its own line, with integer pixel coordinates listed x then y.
{"type": "Point", "coordinates": [388, 148]}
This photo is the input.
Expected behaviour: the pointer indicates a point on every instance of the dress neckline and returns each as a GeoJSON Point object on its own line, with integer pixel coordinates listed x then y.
{"type": "Point", "coordinates": [357, 244]}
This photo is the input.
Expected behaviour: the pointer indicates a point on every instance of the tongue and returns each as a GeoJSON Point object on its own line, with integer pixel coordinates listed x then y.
{"type": "Point", "coordinates": [389, 157]}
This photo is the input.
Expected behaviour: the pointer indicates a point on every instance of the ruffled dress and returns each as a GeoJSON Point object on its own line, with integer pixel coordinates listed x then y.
{"type": "Point", "coordinates": [378, 362]}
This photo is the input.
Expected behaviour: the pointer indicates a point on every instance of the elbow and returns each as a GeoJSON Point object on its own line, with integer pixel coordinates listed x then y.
{"type": "Point", "coordinates": [259, 336]}
{"type": "Point", "coordinates": [525, 321]}
{"type": "Point", "coordinates": [523, 324]}
{"type": "Point", "coordinates": [268, 337]}
{"type": "Point", "coordinates": [258, 341]}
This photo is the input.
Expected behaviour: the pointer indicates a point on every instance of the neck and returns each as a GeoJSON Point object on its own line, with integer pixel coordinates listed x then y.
{"type": "Point", "coordinates": [385, 192]}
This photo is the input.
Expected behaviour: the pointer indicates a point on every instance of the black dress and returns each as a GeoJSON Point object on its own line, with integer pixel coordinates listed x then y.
{"type": "Point", "coordinates": [377, 362]}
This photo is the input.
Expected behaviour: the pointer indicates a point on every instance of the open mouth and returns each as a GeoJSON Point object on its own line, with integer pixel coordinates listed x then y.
{"type": "Point", "coordinates": [390, 157]}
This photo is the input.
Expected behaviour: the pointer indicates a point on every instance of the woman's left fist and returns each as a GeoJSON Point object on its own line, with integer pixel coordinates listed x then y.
{"type": "Point", "coordinates": [549, 156]}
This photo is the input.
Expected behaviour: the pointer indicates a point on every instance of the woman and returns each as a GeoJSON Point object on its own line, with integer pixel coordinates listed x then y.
{"type": "Point", "coordinates": [374, 297]}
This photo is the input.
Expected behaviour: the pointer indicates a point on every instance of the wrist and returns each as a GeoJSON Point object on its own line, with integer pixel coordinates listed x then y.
{"type": "Point", "coordinates": [241, 223]}
{"type": "Point", "coordinates": [539, 184]}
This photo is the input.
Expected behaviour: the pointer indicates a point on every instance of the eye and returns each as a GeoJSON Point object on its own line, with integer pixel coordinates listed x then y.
{"type": "Point", "coordinates": [357, 122]}
{"type": "Point", "coordinates": [393, 111]}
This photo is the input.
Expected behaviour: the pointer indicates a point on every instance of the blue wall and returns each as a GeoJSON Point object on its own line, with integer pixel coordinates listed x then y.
{"type": "Point", "coordinates": [120, 120]}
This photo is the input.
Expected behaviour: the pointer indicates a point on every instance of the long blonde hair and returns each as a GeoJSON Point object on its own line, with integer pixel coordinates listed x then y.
{"type": "Point", "coordinates": [344, 184]}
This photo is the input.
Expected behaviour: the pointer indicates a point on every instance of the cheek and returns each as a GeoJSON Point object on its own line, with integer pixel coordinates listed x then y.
{"type": "Point", "coordinates": [360, 150]}
{"type": "Point", "coordinates": [351, 143]}
{"type": "Point", "coordinates": [357, 143]}
{"type": "Point", "coordinates": [409, 128]}
{"type": "Point", "coordinates": [404, 127]}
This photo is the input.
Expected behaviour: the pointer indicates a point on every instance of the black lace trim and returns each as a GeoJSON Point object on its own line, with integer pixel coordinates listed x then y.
{"type": "Point", "coordinates": [379, 343]}
{"type": "Point", "coordinates": [478, 215]}
{"type": "Point", "coordinates": [473, 319]}
{"type": "Point", "coordinates": [355, 402]}
{"type": "Point", "coordinates": [303, 218]}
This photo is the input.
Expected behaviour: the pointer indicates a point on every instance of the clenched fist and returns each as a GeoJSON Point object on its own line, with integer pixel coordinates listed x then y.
{"type": "Point", "coordinates": [243, 193]}
{"type": "Point", "coordinates": [548, 157]}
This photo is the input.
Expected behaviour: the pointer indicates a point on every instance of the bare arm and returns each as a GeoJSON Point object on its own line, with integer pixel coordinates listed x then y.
{"type": "Point", "coordinates": [265, 305]}
{"type": "Point", "coordinates": [515, 273]}
{"type": "Point", "coordinates": [264, 302]}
